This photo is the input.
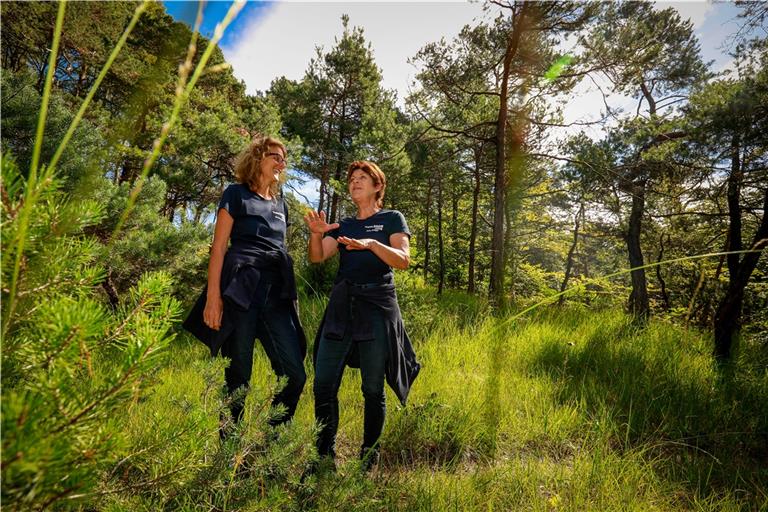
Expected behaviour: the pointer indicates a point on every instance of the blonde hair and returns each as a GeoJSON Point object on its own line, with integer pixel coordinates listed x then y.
{"type": "Point", "coordinates": [248, 162]}
{"type": "Point", "coordinates": [376, 174]}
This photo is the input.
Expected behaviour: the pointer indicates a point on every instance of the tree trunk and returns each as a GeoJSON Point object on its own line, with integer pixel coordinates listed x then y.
{"type": "Point", "coordinates": [440, 247]}
{"type": "Point", "coordinates": [571, 252]}
{"type": "Point", "coordinates": [473, 227]}
{"type": "Point", "coordinates": [324, 171]}
{"type": "Point", "coordinates": [339, 162]}
{"type": "Point", "coordinates": [510, 255]}
{"type": "Point", "coordinates": [499, 182]}
{"type": "Point", "coordinates": [323, 187]}
{"type": "Point", "coordinates": [728, 314]}
{"type": "Point", "coordinates": [335, 197]}
{"type": "Point", "coordinates": [455, 279]}
{"type": "Point", "coordinates": [427, 210]}
{"type": "Point", "coordinates": [662, 283]}
{"type": "Point", "coordinates": [638, 300]}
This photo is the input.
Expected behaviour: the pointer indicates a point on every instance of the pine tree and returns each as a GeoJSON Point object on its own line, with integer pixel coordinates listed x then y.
{"type": "Point", "coordinates": [69, 362]}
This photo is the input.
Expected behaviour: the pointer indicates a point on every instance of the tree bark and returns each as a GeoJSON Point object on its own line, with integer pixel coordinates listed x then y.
{"type": "Point", "coordinates": [455, 277]}
{"type": "Point", "coordinates": [728, 314]}
{"type": "Point", "coordinates": [571, 252]}
{"type": "Point", "coordinates": [638, 299]}
{"type": "Point", "coordinates": [440, 245]}
{"type": "Point", "coordinates": [662, 283]}
{"type": "Point", "coordinates": [339, 162]}
{"type": "Point", "coordinates": [427, 210]}
{"type": "Point", "coordinates": [510, 259]}
{"type": "Point", "coordinates": [323, 186]}
{"type": "Point", "coordinates": [500, 175]}
{"type": "Point", "coordinates": [473, 227]}
{"type": "Point", "coordinates": [335, 196]}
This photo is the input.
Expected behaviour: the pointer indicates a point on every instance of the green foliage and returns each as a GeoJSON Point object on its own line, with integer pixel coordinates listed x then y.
{"type": "Point", "coordinates": [174, 459]}
{"type": "Point", "coordinates": [150, 241]}
{"type": "Point", "coordinates": [573, 408]}
{"type": "Point", "coordinates": [69, 364]}
{"type": "Point", "coordinates": [21, 103]}
{"type": "Point", "coordinates": [341, 113]}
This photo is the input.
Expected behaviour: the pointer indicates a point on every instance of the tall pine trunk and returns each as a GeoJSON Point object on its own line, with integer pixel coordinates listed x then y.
{"type": "Point", "coordinates": [728, 314]}
{"type": "Point", "coordinates": [500, 175]}
{"type": "Point", "coordinates": [440, 245]}
{"type": "Point", "coordinates": [659, 275]}
{"type": "Point", "coordinates": [427, 210]}
{"type": "Point", "coordinates": [571, 252]}
{"type": "Point", "coordinates": [473, 227]}
{"type": "Point", "coordinates": [638, 299]}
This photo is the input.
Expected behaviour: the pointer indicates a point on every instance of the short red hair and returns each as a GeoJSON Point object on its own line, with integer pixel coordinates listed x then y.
{"type": "Point", "coordinates": [376, 174]}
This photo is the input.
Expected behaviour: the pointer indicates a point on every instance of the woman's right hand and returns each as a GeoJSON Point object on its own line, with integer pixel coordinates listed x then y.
{"type": "Point", "coordinates": [316, 223]}
{"type": "Point", "coordinates": [214, 310]}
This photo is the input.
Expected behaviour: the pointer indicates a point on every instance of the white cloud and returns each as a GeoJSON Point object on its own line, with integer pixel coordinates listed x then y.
{"type": "Point", "coordinates": [282, 41]}
{"type": "Point", "coordinates": [695, 10]}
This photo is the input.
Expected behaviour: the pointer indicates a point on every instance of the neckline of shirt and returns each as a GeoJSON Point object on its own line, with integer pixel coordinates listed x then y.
{"type": "Point", "coordinates": [257, 194]}
{"type": "Point", "coordinates": [369, 217]}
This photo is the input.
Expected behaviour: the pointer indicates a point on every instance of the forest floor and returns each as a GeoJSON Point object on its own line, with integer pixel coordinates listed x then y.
{"type": "Point", "coordinates": [564, 409]}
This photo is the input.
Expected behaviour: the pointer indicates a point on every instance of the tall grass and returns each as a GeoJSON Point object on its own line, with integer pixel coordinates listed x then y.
{"type": "Point", "coordinates": [570, 410]}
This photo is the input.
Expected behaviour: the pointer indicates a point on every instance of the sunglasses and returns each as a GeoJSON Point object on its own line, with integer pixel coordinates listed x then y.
{"type": "Point", "coordinates": [278, 157]}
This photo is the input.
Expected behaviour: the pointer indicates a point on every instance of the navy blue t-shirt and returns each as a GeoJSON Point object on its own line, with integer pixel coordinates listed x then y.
{"type": "Point", "coordinates": [259, 223]}
{"type": "Point", "coordinates": [364, 266]}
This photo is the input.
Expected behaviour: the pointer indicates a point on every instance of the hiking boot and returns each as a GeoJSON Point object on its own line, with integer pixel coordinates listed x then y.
{"type": "Point", "coordinates": [369, 457]}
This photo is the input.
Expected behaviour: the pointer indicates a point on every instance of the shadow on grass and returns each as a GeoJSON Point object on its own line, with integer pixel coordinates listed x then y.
{"type": "Point", "coordinates": [651, 389]}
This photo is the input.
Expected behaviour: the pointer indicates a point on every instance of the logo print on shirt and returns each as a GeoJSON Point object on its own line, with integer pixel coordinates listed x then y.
{"type": "Point", "coordinates": [279, 215]}
{"type": "Point", "coordinates": [375, 228]}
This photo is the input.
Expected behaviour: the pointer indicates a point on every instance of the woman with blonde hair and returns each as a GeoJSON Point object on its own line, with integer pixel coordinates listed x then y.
{"type": "Point", "coordinates": [362, 326]}
{"type": "Point", "coordinates": [251, 291]}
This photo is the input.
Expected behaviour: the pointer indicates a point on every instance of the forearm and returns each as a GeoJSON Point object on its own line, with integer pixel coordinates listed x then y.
{"type": "Point", "coordinates": [316, 247]}
{"type": "Point", "coordinates": [214, 271]}
{"type": "Point", "coordinates": [395, 258]}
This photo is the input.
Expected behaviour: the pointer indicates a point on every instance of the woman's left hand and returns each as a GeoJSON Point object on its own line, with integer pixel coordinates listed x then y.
{"type": "Point", "coordinates": [357, 244]}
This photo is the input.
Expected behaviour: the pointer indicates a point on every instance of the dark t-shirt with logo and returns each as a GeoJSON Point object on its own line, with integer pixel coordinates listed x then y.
{"type": "Point", "coordinates": [364, 266]}
{"type": "Point", "coordinates": [259, 223]}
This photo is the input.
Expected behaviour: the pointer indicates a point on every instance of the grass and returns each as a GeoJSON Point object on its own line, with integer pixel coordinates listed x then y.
{"type": "Point", "coordinates": [564, 410]}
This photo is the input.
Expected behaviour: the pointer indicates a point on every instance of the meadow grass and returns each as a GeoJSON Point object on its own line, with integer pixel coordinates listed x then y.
{"type": "Point", "coordinates": [564, 410]}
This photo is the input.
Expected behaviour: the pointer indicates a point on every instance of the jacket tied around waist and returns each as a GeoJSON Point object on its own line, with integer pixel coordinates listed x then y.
{"type": "Point", "coordinates": [246, 279]}
{"type": "Point", "coordinates": [350, 312]}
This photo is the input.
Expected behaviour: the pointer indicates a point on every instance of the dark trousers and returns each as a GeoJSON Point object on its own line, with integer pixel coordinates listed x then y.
{"type": "Point", "coordinates": [270, 321]}
{"type": "Point", "coordinates": [329, 368]}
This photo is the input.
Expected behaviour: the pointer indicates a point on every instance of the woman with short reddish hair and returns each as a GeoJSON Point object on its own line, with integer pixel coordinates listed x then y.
{"type": "Point", "coordinates": [362, 325]}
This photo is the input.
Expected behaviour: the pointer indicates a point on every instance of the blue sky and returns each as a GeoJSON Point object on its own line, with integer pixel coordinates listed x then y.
{"type": "Point", "coordinates": [213, 12]}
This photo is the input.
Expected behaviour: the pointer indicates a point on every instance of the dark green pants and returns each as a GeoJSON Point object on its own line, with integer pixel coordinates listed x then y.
{"type": "Point", "coordinates": [272, 324]}
{"type": "Point", "coordinates": [329, 369]}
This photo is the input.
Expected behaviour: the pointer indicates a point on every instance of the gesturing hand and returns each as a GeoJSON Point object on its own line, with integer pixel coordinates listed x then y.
{"type": "Point", "coordinates": [316, 222]}
{"type": "Point", "coordinates": [356, 244]}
